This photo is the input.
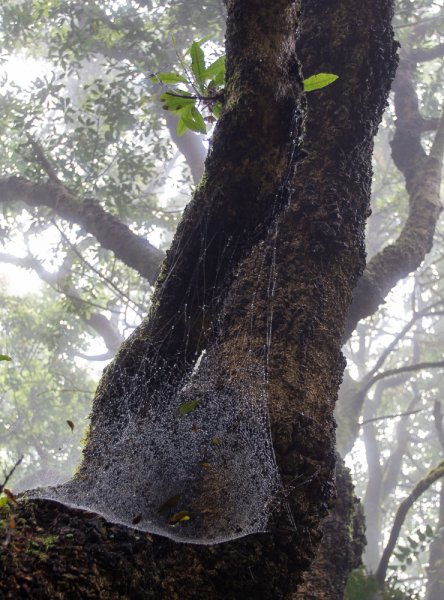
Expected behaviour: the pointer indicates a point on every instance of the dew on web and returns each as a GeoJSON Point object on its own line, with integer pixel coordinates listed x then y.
{"type": "Point", "coordinates": [199, 467]}
{"type": "Point", "coordinates": [180, 442]}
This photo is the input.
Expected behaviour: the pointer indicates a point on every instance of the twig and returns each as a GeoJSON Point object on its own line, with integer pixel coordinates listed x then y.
{"type": "Point", "coordinates": [412, 412]}
{"type": "Point", "coordinates": [9, 475]}
{"type": "Point", "coordinates": [42, 159]}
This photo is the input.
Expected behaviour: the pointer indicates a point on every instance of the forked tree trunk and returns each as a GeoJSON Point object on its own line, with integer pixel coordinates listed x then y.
{"type": "Point", "coordinates": [316, 257]}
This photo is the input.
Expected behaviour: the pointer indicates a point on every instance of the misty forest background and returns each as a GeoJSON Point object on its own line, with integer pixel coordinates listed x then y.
{"type": "Point", "coordinates": [77, 106]}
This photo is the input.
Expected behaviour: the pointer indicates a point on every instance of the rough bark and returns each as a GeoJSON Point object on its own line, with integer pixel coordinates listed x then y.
{"type": "Point", "coordinates": [423, 179]}
{"type": "Point", "coordinates": [319, 255]}
{"type": "Point", "coordinates": [341, 547]}
{"type": "Point", "coordinates": [112, 234]}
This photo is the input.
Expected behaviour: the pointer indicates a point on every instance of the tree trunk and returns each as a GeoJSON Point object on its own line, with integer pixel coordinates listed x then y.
{"type": "Point", "coordinates": [316, 258]}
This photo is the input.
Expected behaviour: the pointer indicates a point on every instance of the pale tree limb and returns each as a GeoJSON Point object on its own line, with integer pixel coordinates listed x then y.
{"type": "Point", "coordinates": [423, 179]}
{"type": "Point", "coordinates": [422, 486]}
{"type": "Point", "coordinates": [133, 250]}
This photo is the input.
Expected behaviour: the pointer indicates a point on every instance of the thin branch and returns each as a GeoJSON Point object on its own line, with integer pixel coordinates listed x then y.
{"type": "Point", "coordinates": [42, 159]}
{"type": "Point", "coordinates": [422, 486]}
{"type": "Point", "coordinates": [406, 414]}
{"type": "Point", "coordinates": [110, 283]}
{"type": "Point", "coordinates": [406, 369]}
{"type": "Point", "coordinates": [419, 315]}
{"type": "Point", "coordinates": [9, 475]}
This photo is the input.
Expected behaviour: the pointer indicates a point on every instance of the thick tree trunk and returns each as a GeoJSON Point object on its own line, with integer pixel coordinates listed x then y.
{"type": "Point", "coordinates": [317, 257]}
{"type": "Point", "coordinates": [341, 547]}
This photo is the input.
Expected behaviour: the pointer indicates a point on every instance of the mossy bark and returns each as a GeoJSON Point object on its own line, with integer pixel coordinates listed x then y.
{"type": "Point", "coordinates": [317, 256]}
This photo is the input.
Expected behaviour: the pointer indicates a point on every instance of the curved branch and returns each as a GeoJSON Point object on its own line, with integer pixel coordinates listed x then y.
{"type": "Point", "coordinates": [423, 179]}
{"type": "Point", "coordinates": [111, 233]}
{"type": "Point", "coordinates": [422, 486]}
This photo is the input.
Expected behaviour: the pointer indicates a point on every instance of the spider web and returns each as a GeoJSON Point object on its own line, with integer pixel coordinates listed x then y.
{"type": "Point", "coordinates": [184, 450]}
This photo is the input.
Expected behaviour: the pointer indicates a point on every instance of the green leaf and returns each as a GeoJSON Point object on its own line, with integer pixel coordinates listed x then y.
{"type": "Point", "coordinates": [198, 61]}
{"type": "Point", "coordinates": [186, 408]}
{"type": "Point", "coordinates": [168, 78]}
{"type": "Point", "coordinates": [216, 440]}
{"type": "Point", "coordinates": [200, 42]}
{"type": "Point", "coordinates": [170, 503]}
{"type": "Point", "coordinates": [175, 103]}
{"type": "Point", "coordinates": [183, 515]}
{"type": "Point", "coordinates": [318, 81]}
{"type": "Point", "coordinates": [3, 501]}
{"type": "Point", "coordinates": [4, 357]}
{"type": "Point", "coordinates": [217, 109]}
{"type": "Point", "coordinates": [215, 69]}
{"type": "Point", "coordinates": [218, 81]}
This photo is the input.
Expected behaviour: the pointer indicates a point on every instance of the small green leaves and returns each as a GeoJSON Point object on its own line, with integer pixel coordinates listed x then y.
{"type": "Point", "coordinates": [3, 501]}
{"type": "Point", "coordinates": [316, 82]}
{"type": "Point", "coordinates": [170, 503]}
{"type": "Point", "coordinates": [206, 98]}
{"type": "Point", "coordinates": [198, 60]}
{"type": "Point", "coordinates": [4, 357]}
{"type": "Point", "coordinates": [216, 69]}
{"type": "Point", "coordinates": [170, 78]}
{"type": "Point", "coordinates": [190, 118]}
{"type": "Point", "coordinates": [176, 102]}
{"type": "Point", "coordinates": [186, 408]}
{"type": "Point", "coordinates": [183, 515]}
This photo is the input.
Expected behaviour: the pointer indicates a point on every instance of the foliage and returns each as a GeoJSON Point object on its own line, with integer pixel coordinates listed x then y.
{"type": "Point", "coordinates": [207, 84]}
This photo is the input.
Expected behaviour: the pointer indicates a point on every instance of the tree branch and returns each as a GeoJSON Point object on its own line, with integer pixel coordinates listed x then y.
{"type": "Point", "coordinates": [422, 486]}
{"type": "Point", "coordinates": [425, 54]}
{"type": "Point", "coordinates": [42, 159]}
{"type": "Point", "coordinates": [423, 179]}
{"type": "Point", "coordinates": [406, 369]}
{"type": "Point", "coordinates": [406, 414]}
{"type": "Point", "coordinates": [111, 233]}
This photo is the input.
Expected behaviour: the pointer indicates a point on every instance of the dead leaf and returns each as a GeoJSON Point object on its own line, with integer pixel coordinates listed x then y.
{"type": "Point", "coordinates": [216, 440]}
{"type": "Point", "coordinates": [10, 495]}
{"type": "Point", "coordinates": [71, 425]}
{"type": "Point", "coordinates": [149, 538]}
{"type": "Point", "coordinates": [82, 476]}
{"type": "Point", "coordinates": [137, 520]}
{"type": "Point", "coordinates": [205, 464]}
{"type": "Point", "coordinates": [12, 524]}
{"type": "Point", "coordinates": [194, 428]}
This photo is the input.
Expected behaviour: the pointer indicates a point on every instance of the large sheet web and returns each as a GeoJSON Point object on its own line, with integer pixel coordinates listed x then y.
{"type": "Point", "coordinates": [197, 466]}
